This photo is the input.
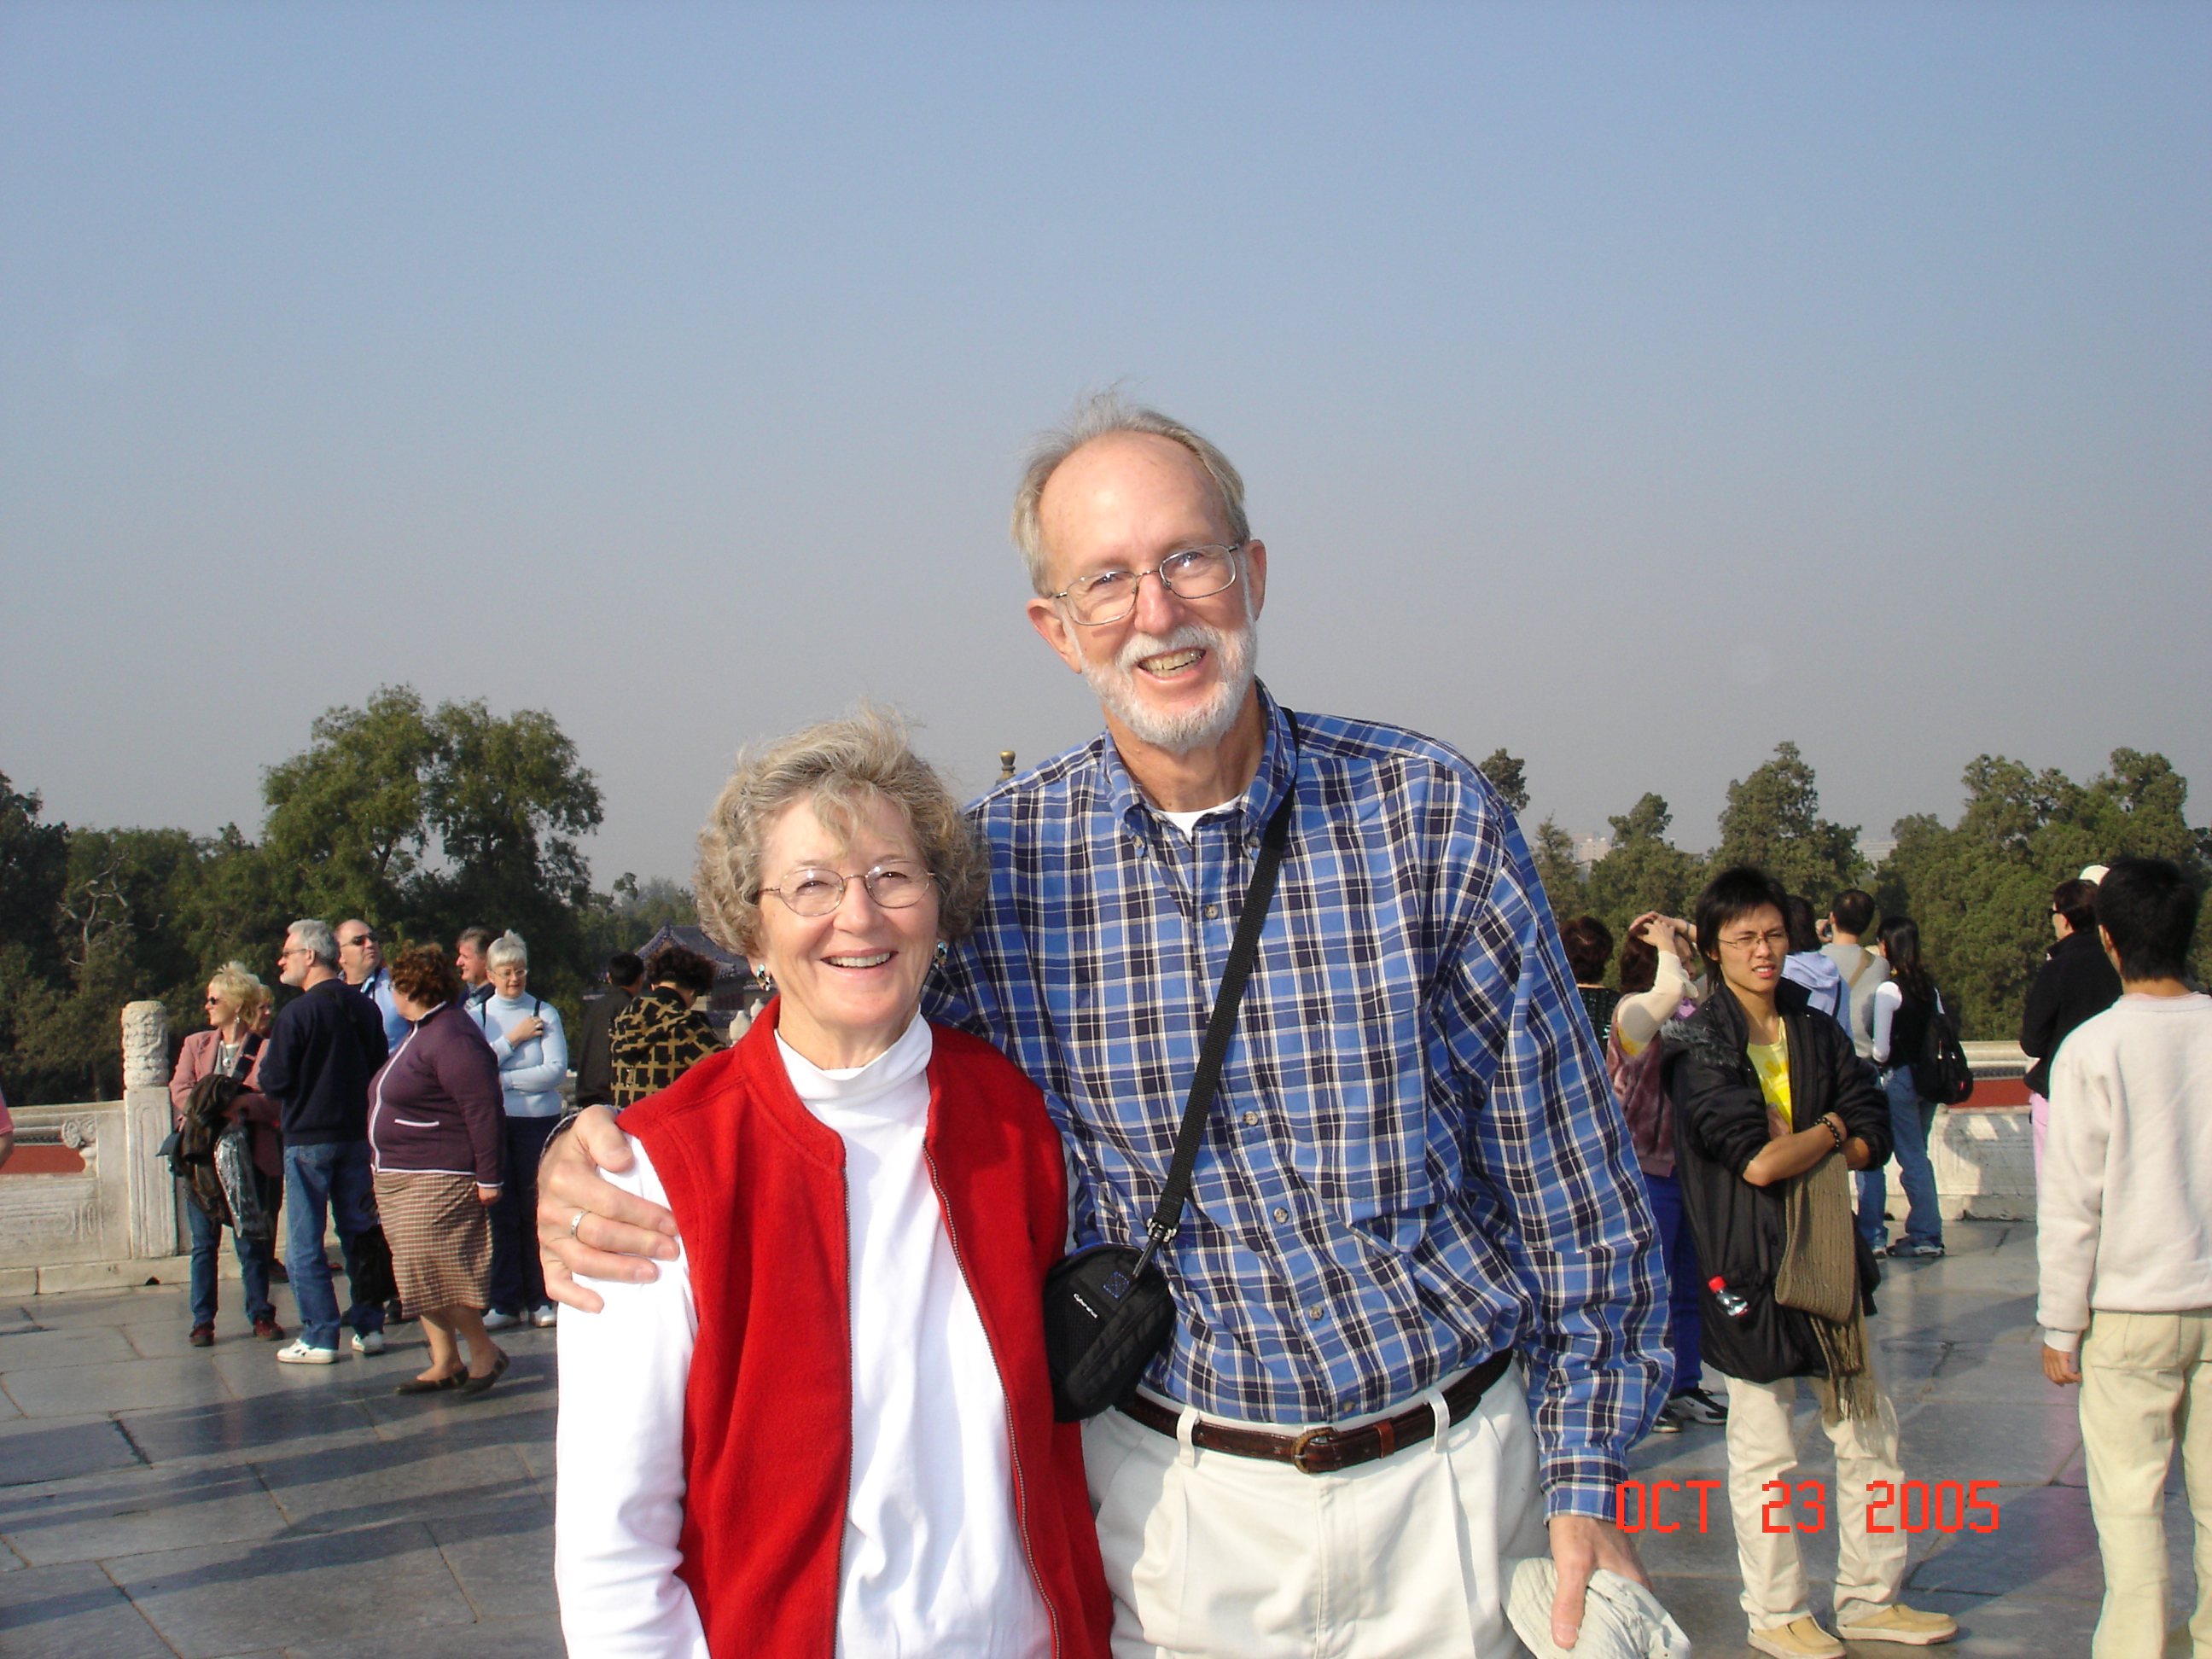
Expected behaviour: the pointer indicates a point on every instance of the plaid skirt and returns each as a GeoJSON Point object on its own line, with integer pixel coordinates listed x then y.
{"type": "Point", "coordinates": [441, 1239]}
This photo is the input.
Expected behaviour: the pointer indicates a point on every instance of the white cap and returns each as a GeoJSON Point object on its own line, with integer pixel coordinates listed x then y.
{"type": "Point", "coordinates": [2095, 872]}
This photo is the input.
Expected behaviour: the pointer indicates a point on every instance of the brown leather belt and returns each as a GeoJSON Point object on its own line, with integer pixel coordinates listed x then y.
{"type": "Point", "coordinates": [1325, 1450]}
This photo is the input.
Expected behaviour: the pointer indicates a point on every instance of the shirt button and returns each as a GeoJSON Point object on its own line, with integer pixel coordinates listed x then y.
{"type": "Point", "coordinates": [1211, 911]}
{"type": "Point", "coordinates": [1281, 1214]}
{"type": "Point", "coordinates": [1251, 1120]}
{"type": "Point", "coordinates": [1317, 1313]}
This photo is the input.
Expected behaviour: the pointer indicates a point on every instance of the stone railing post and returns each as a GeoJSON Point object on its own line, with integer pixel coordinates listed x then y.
{"type": "Point", "coordinates": [145, 1126]}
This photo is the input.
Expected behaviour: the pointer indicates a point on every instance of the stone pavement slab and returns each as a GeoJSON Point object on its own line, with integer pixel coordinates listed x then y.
{"type": "Point", "coordinates": [161, 1500]}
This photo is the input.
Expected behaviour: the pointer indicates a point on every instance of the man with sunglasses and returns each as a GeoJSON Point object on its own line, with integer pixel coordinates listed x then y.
{"type": "Point", "coordinates": [1414, 1169]}
{"type": "Point", "coordinates": [361, 960]}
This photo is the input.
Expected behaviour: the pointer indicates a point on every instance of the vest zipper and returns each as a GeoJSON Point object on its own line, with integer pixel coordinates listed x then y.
{"type": "Point", "coordinates": [845, 1521]}
{"type": "Point", "coordinates": [1014, 1441]}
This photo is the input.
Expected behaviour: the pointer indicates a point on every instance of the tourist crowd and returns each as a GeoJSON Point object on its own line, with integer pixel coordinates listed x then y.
{"type": "Point", "coordinates": [404, 1104]}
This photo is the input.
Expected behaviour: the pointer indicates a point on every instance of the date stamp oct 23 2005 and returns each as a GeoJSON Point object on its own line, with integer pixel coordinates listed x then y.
{"type": "Point", "coordinates": [1903, 1506]}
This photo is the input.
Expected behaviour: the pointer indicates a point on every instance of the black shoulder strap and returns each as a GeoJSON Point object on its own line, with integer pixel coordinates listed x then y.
{"type": "Point", "coordinates": [1241, 949]}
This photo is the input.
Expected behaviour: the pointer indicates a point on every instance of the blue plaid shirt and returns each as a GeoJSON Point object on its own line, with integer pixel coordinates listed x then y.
{"type": "Point", "coordinates": [1415, 1159]}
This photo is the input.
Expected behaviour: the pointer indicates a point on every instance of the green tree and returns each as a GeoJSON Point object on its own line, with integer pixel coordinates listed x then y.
{"type": "Point", "coordinates": [348, 821]}
{"type": "Point", "coordinates": [1565, 888]}
{"type": "Point", "coordinates": [1644, 870]}
{"type": "Point", "coordinates": [1509, 777]}
{"type": "Point", "coordinates": [1772, 819]}
{"type": "Point", "coordinates": [1980, 890]}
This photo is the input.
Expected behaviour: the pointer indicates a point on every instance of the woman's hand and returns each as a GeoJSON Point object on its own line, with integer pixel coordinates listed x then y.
{"type": "Point", "coordinates": [587, 1224]}
{"type": "Point", "coordinates": [487, 1195]}
{"type": "Point", "coordinates": [523, 1029]}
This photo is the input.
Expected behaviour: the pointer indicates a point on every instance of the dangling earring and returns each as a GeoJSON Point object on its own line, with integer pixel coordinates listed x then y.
{"type": "Point", "coordinates": [767, 980]}
{"type": "Point", "coordinates": [943, 951]}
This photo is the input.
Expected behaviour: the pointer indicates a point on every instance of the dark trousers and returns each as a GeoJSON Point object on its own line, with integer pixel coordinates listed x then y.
{"type": "Point", "coordinates": [1684, 1335]}
{"type": "Point", "coordinates": [254, 1259]}
{"type": "Point", "coordinates": [518, 1280]}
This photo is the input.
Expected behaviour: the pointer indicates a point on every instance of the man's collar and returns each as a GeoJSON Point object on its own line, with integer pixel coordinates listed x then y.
{"type": "Point", "coordinates": [1277, 774]}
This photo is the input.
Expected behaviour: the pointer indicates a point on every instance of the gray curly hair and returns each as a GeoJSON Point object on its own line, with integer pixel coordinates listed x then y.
{"type": "Point", "coordinates": [840, 766]}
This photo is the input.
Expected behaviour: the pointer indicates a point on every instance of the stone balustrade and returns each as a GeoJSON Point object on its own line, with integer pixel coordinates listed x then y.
{"type": "Point", "coordinates": [86, 1202]}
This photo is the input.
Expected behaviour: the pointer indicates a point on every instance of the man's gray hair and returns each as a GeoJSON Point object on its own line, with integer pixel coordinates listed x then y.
{"type": "Point", "coordinates": [507, 949]}
{"type": "Point", "coordinates": [316, 938]}
{"type": "Point", "coordinates": [1099, 415]}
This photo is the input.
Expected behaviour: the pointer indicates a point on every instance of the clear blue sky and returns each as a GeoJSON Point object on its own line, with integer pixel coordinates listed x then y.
{"type": "Point", "coordinates": [1633, 387]}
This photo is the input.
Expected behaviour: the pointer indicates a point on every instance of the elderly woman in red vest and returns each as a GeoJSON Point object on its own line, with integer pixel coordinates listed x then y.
{"type": "Point", "coordinates": [827, 1427]}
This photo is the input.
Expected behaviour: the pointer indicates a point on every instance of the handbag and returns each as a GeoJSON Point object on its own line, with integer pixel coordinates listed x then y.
{"type": "Point", "coordinates": [1106, 1308]}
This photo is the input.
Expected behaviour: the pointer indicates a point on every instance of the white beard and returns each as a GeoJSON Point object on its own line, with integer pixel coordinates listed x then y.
{"type": "Point", "coordinates": [1237, 656]}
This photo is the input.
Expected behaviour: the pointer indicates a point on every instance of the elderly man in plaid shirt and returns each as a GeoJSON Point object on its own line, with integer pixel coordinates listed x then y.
{"type": "Point", "coordinates": [1414, 1173]}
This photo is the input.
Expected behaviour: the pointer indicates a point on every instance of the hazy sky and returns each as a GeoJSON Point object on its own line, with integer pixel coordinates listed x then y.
{"type": "Point", "coordinates": [1632, 385]}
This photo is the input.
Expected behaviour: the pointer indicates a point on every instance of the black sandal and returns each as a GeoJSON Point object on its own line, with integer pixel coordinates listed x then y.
{"type": "Point", "coordinates": [431, 1384]}
{"type": "Point", "coordinates": [476, 1385]}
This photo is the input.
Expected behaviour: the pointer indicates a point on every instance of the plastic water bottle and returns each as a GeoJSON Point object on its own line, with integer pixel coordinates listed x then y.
{"type": "Point", "coordinates": [1732, 1303]}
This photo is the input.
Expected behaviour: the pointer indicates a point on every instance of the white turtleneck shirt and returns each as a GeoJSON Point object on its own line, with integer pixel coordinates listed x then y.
{"type": "Point", "coordinates": [933, 1561]}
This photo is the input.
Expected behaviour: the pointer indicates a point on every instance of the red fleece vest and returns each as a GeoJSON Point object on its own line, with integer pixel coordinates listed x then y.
{"type": "Point", "coordinates": [757, 1185]}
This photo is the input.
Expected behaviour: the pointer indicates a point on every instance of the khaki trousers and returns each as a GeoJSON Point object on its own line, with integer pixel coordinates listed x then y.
{"type": "Point", "coordinates": [1209, 1554]}
{"type": "Point", "coordinates": [1762, 1447]}
{"type": "Point", "coordinates": [2145, 1378]}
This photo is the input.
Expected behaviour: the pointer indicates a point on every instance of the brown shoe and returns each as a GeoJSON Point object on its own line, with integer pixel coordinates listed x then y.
{"type": "Point", "coordinates": [1800, 1638]}
{"type": "Point", "coordinates": [268, 1330]}
{"type": "Point", "coordinates": [202, 1336]}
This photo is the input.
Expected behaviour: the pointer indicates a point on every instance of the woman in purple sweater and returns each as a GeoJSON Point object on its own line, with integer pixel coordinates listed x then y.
{"type": "Point", "coordinates": [435, 1124]}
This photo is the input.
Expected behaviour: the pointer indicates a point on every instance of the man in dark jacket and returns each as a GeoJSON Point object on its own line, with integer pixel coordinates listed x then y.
{"type": "Point", "coordinates": [595, 1064]}
{"type": "Point", "coordinates": [2075, 982]}
{"type": "Point", "coordinates": [1773, 1110]}
{"type": "Point", "coordinates": [325, 1048]}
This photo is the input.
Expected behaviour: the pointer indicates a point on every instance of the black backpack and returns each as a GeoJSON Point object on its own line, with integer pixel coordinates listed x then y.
{"type": "Point", "coordinates": [1940, 1072]}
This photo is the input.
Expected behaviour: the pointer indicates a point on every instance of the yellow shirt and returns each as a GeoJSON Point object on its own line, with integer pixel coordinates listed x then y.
{"type": "Point", "coordinates": [1771, 1061]}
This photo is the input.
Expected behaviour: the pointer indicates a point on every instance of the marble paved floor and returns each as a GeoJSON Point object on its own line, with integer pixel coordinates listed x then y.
{"type": "Point", "coordinates": [157, 1499]}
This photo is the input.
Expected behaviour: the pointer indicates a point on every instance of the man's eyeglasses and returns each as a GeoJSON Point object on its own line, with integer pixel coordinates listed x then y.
{"type": "Point", "coordinates": [812, 892]}
{"type": "Point", "coordinates": [1110, 595]}
{"type": "Point", "coordinates": [1779, 941]}
{"type": "Point", "coordinates": [358, 940]}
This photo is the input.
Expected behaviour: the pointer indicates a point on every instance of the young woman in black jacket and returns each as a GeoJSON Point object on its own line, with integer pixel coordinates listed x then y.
{"type": "Point", "coordinates": [2074, 983]}
{"type": "Point", "coordinates": [1772, 1111]}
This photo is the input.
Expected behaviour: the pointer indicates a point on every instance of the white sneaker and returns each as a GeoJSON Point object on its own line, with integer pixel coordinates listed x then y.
{"type": "Point", "coordinates": [546, 1316]}
{"type": "Point", "coordinates": [494, 1320]}
{"type": "Point", "coordinates": [299, 1354]}
{"type": "Point", "coordinates": [369, 1341]}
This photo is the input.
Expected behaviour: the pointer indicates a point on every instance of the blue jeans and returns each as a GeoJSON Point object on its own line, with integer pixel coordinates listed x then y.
{"type": "Point", "coordinates": [1910, 1119]}
{"type": "Point", "coordinates": [518, 1277]}
{"type": "Point", "coordinates": [319, 1181]}
{"type": "Point", "coordinates": [253, 1268]}
{"type": "Point", "coordinates": [1679, 1254]}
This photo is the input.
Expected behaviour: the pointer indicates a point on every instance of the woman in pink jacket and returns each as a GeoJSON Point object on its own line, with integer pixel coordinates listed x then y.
{"type": "Point", "coordinates": [237, 1010]}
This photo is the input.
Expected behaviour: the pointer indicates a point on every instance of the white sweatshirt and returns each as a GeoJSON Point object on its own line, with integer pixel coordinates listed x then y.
{"type": "Point", "coordinates": [2125, 1215]}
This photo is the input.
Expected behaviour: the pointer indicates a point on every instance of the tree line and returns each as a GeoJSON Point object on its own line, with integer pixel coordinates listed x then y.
{"type": "Point", "coordinates": [423, 821]}
{"type": "Point", "coordinates": [1980, 888]}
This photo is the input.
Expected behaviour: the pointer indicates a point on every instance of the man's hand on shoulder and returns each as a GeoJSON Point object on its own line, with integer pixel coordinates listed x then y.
{"type": "Point", "coordinates": [585, 1223]}
{"type": "Point", "coordinates": [1581, 1544]}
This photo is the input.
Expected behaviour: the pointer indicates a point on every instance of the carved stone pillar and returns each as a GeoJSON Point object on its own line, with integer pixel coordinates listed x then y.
{"type": "Point", "coordinates": [153, 1220]}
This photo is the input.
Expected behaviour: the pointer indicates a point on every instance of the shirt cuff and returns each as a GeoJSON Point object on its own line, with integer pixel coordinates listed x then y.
{"type": "Point", "coordinates": [1592, 1488]}
{"type": "Point", "coordinates": [2062, 1341]}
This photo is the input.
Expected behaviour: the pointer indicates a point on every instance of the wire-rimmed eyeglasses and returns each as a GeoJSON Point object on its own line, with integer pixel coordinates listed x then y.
{"type": "Point", "coordinates": [1193, 574]}
{"type": "Point", "coordinates": [815, 893]}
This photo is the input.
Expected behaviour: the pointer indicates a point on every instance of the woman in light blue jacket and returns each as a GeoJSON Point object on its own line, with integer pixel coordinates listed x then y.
{"type": "Point", "coordinates": [524, 1033]}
